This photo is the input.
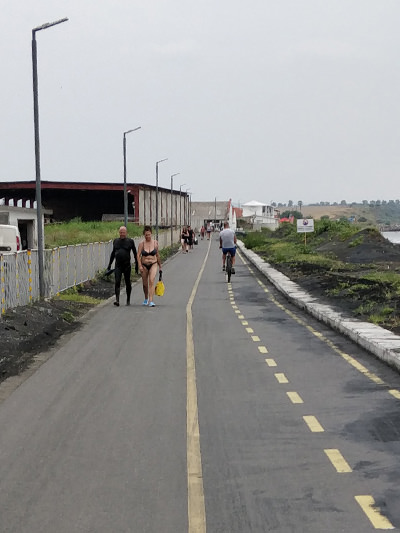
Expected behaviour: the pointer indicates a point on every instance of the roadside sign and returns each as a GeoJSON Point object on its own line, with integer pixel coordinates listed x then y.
{"type": "Point", "coordinates": [305, 225]}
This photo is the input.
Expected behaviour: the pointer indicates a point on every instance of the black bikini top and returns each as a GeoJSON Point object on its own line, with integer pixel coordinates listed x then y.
{"type": "Point", "coordinates": [145, 254]}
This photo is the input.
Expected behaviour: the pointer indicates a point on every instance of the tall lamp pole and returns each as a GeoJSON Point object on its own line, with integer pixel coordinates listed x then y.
{"type": "Point", "coordinates": [125, 191]}
{"type": "Point", "coordinates": [180, 206]}
{"type": "Point", "coordinates": [158, 162]}
{"type": "Point", "coordinates": [37, 152]}
{"type": "Point", "coordinates": [172, 188]}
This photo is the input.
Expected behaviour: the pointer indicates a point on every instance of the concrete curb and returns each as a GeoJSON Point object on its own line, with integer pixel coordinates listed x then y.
{"type": "Point", "coordinates": [382, 343]}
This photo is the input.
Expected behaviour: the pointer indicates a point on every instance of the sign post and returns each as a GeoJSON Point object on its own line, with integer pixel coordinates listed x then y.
{"type": "Point", "coordinates": [305, 225]}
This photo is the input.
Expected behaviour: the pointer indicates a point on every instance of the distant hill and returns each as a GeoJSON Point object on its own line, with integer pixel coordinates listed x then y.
{"type": "Point", "coordinates": [387, 214]}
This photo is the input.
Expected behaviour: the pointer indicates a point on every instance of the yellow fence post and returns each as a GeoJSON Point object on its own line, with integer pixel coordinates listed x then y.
{"type": "Point", "coordinates": [3, 299]}
{"type": "Point", "coordinates": [29, 274]}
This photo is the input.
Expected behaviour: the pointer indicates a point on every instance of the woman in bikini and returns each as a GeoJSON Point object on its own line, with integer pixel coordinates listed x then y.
{"type": "Point", "coordinates": [148, 258]}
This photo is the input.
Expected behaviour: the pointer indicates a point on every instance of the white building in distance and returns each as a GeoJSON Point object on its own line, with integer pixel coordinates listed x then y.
{"type": "Point", "coordinates": [260, 215]}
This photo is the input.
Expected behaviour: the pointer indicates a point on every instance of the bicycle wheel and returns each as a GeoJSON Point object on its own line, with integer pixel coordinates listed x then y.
{"type": "Point", "coordinates": [229, 267]}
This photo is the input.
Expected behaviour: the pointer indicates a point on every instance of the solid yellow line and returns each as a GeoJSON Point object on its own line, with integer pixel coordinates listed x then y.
{"type": "Point", "coordinates": [338, 461]}
{"type": "Point", "coordinates": [294, 397]}
{"type": "Point", "coordinates": [313, 424]}
{"type": "Point", "coordinates": [271, 362]}
{"type": "Point", "coordinates": [262, 349]}
{"type": "Point", "coordinates": [281, 378]}
{"type": "Point", "coordinates": [395, 393]}
{"type": "Point", "coordinates": [250, 330]}
{"type": "Point", "coordinates": [196, 505]}
{"type": "Point", "coordinates": [367, 504]}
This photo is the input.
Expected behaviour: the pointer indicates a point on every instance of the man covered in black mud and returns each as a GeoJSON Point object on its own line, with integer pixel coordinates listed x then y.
{"type": "Point", "coordinates": [121, 252]}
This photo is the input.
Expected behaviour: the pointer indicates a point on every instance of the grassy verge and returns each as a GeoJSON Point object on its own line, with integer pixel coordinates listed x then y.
{"type": "Point", "coordinates": [75, 294]}
{"type": "Point", "coordinates": [369, 290]}
{"type": "Point", "coordinates": [77, 232]}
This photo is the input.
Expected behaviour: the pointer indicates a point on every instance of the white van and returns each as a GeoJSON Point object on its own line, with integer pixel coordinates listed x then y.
{"type": "Point", "coordinates": [10, 239]}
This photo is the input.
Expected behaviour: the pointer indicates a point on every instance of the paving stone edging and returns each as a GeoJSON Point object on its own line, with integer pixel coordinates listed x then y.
{"type": "Point", "coordinates": [382, 343]}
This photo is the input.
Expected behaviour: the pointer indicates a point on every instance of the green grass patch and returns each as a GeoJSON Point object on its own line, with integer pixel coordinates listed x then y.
{"type": "Point", "coordinates": [381, 316]}
{"type": "Point", "coordinates": [356, 242]}
{"type": "Point", "coordinates": [78, 232]}
{"type": "Point", "coordinates": [80, 298]}
{"type": "Point", "coordinates": [68, 317]}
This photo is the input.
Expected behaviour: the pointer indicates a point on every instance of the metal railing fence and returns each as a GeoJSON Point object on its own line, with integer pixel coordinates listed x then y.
{"type": "Point", "coordinates": [64, 267]}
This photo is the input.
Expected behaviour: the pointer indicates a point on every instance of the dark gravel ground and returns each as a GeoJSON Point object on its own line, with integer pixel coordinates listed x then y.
{"type": "Point", "coordinates": [31, 329]}
{"type": "Point", "coordinates": [348, 290]}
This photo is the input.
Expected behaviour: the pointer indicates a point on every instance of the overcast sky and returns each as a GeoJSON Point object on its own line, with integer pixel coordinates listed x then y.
{"type": "Point", "coordinates": [250, 100]}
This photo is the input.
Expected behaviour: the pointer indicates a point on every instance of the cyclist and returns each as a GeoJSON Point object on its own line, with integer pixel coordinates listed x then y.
{"type": "Point", "coordinates": [227, 241]}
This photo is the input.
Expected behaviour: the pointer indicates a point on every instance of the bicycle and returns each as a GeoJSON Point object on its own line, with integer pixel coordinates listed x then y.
{"type": "Point", "coordinates": [228, 266]}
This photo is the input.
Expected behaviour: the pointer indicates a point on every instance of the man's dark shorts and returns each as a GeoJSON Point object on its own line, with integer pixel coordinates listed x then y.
{"type": "Point", "coordinates": [231, 250]}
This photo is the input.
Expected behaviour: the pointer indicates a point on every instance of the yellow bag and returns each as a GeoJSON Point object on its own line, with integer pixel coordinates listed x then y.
{"type": "Point", "coordinates": [160, 288]}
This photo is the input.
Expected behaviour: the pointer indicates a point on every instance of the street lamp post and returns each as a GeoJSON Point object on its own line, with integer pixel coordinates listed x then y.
{"type": "Point", "coordinates": [180, 206]}
{"type": "Point", "coordinates": [172, 188]}
{"type": "Point", "coordinates": [37, 152]}
{"type": "Point", "coordinates": [125, 191]}
{"type": "Point", "coordinates": [161, 160]}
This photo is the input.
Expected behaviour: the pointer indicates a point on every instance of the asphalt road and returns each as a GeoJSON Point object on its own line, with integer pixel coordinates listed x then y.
{"type": "Point", "coordinates": [223, 409]}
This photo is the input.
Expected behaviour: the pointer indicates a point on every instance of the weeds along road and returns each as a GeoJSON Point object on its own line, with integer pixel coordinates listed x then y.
{"type": "Point", "coordinates": [223, 409]}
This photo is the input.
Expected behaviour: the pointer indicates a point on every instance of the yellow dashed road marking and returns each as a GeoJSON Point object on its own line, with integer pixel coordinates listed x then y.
{"type": "Point", "coordinates": [313, 424]}
{"type": "Point", "coordinates": [234, 307]}
{"type": "Point", "coordinates": [262, 349]}
{"type": "Point", "coordinates": [245, 323]}
{"type": "Point", "coordinates": [241, 316]}
{"type": "Point", "coordinates": [237, 311]}
{"type": "Point", "coordinates": [294, 397]}
{"type": "Point", "coordinates": [395, 393]}
{"type": "Point", "coordinates": [255, 338]}
{"type": "Point", "coordinates": [338, 461]}
{"type": "Point", "coordinates": [281, 378]}
{"type": "Point", "coordinates": [271, 362]}
{"type": "Point", "coordinates": [367, 504]}
{"type": "Point", "coordinates": [250, 330]}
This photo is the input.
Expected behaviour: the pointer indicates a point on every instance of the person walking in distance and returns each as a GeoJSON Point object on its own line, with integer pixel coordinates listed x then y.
{"type": "Point", "coordinates": [227, 241]}
{"type": "Point", "coordinates": [184, 239]}
{"type": "Point", "coordinates": [121, 252]}
{"type": "Point", "coordinates": [208, 230]}
{"type": "Point", "coordinates": [190, 237]}
{"type": "Point", "coordinates": [149, 258]}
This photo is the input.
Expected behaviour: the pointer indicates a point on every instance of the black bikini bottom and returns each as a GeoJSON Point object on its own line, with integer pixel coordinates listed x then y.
{"type": "Point", "coordinates": [148, 266]}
